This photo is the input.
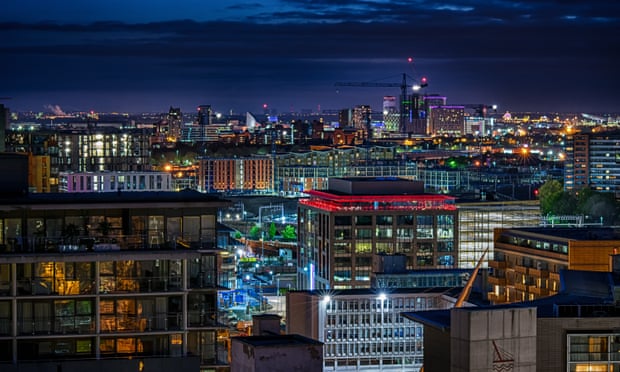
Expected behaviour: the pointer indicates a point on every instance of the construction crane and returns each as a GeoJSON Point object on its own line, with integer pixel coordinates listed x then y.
{"type": "Point", "coordinates": [403, 85]}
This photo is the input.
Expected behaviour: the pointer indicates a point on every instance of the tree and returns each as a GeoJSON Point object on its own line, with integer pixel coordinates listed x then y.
{"type": "Point", "coordinates": [255, 232]}
{"type": "Point", "coordinates": [289, 233]}
{"type": "Point", "coordinates": [272, 230]}
{"type": "Point", "coordinates": [550, 193]}
{"type": "Point", "coordinates": [238, 235]}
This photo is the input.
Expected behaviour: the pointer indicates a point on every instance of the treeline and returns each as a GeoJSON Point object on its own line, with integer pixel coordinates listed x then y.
{"type": "Point", "coordinates": [595, 206]}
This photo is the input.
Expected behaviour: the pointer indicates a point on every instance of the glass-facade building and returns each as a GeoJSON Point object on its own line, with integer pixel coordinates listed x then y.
{"type": "Point", "coordinates": [107, 276]}
{"type": "Point", "coordinates": [477, 222]}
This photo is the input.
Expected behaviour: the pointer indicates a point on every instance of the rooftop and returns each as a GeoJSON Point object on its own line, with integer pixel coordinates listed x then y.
{"type": "Point", "coordinates": [568, 233]}
{"type": "Point", "coordinates": [582, 294]}
{"type": "Point", "coordinates": [277, 340]}
{"type": "Point", "coordinates": [105, 198]}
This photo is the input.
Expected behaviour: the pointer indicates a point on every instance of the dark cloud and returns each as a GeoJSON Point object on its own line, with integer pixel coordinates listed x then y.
{"type": "Point", "coordinates": [556, 55]}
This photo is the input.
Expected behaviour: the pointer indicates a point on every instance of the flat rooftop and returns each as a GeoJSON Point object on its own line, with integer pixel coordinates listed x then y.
{"type": "Point", "coordinates": [277, 340]}
{"type": "Point", "coordinates": [375, 186]}
{"type": "Point", "coordinates": [569, 233]}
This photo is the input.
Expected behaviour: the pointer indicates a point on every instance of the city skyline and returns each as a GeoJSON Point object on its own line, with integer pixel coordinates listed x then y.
{"type": "Point", "coordinates": [238, 56]}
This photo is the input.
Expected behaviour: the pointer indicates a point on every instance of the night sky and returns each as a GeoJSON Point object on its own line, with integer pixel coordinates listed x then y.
{"type": "Point", "coordinates": [135, 55]}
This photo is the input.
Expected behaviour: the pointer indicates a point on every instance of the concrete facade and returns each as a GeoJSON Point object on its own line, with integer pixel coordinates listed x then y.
{"type": "Point", "coordinates": [284, 353]}
{"type": "Point", "coordinates": [493, 340]}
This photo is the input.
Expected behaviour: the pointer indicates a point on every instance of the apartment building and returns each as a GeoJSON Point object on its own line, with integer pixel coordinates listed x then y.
{"type": "Point", "coordinates": [123, 281]}
{"type": "Point", "coordinates": [527, 262]}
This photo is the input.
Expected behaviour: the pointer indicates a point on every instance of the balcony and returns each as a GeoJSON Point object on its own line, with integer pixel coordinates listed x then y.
{"type": "Point", "coordinates": [539, 273]}
{"type": "Point", "coordinates": [497, 281]}
{"type": "Point", "coordinates": [521, 269]}
{"type": "Point", "coordinates": [496, 299]}
{"type": "Point", "coordinates": [497, 264]}
{"type": "Point", "coordinates": [522, 287]}
{"type": "Point", "coordinates": [538, 291]}
{"type": "Point", "coordinates": [554, 276]}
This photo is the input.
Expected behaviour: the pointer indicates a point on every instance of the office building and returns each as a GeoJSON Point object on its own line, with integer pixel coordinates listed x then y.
{"type": "Point", "coordinates": [122, 281]}
{"type": "Point", "coordinates": [593, 160]}
{"type": "Point", "coordinates": [391, 114]}
{"type": "Point", "coordinates": [340, 230]}
{"type": "Point", "coordinates": [361, 119]}
{"type": "Point", "coordinates": [526, 263]}
{"type": "Point", "coordinates": [297, 171]}
{"type": "Point", "coordinates": [446, 120]}
{"type": "Point", "coordinates": [362, 329]}
{"type": "Point", "coordinates": [175, 123]}
{"type": "Point", "coordinates": [477, 222]}
{"type": "Point", "coordinates": [205, 115]}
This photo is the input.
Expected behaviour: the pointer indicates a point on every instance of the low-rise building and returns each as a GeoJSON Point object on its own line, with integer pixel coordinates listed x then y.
{"type": "Point", "coordinates": [527, 261]}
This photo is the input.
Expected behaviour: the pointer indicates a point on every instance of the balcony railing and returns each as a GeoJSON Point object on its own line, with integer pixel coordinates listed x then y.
{"type": "Point", "coordinates": [496, 298]}
{"type": "Point", "coordinates": [497, 281]}
{"type": "Point", "coordinates": [497, 264]}
{"type": "Point", "coordinates": [85, 324]}
{"type": "Point", "coordinates": [538, 291]}
{"type": "Point", "coordinates": [539, 273]}
{"type": "Point", "coordinates": [39, 244]}
{"type": "Point", "coordinates": [521, 287]}
{"type": "Point", "coordinates": [521, 269]}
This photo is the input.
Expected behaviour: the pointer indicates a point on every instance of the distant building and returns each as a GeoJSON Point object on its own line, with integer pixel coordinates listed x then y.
{"type": "Point", "coordinates": [175, 122]}
{"type": "Point", "coordinates": [102, 149]}
{"type": "Point", "coordinates": [593, 160]}
{"type": "Point", "coordinates": [4, 125]}
{"type": "Point", "coordinates": [362, 116]}
{"type": "Point", "coordinates": [448, 120]}
{"type": "Point", "coordinates": [310, 170]}
{"type": "Point", "coordinates": [391, 114]}
{"type": "Point", "coordinates": [39, 175]}
{"type": "Point", "coordinates": [340, 230]}
{"type": "Point", "coordinates": [238, 175]}
{"type": "Point", "coordinates": [115, 182]}
{"type": "Point", "coordinates": [205, 115]}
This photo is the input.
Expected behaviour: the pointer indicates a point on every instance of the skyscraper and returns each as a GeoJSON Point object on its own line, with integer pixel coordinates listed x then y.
{"type": "Point", "coordinates": [204, 119]}
{"type": "Point", "coordinates": [390, 114]}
